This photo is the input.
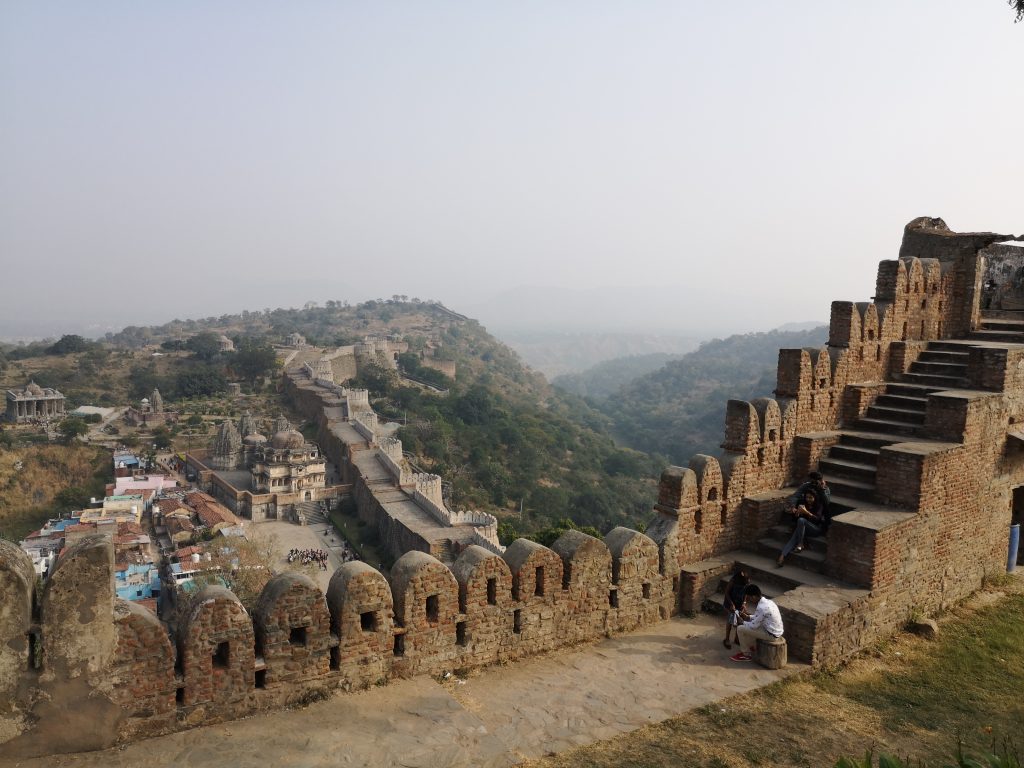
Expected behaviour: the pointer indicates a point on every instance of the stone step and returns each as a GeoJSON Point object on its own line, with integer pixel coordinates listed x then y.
{"type": "Point", "coordinates": [868, 439]}
{"type": "Point", "coordinates": [950, 357]}
{"type": "Point", "coordinates": [945, 382]}
{"type": "Point", "coordinates": [998, 336]}
{"type": "Point", "coordinates": [902, 415]}
{"type": "Point", "coordinates": [1002, 314]}
{"type": "Point", "coordinates": [956, 370]}
{"type": "Point", "coordinates": [851, 470]}
{"type": "Point", "coordinates": [807, 559]}
{"type": "Point", "coordinates": [903, 402]}
{"type": "Point", "coordinates": [898, 430]}
{"type": "Point", "coordinates": [854, 489]}
{"type": "Point", "coordinates": [762, 570]}
{"type": "Point", "coordinates": [856, 453]}
{"type": "Point", "coordinates": [783, 531]}
{"type": "Point", "coordinates": [950, 345]}
{"type": "Point", "coordinates": [906, 389]}
{"type": "Point", "coordinates": [841, 504]}
{"type": "Point", "coordinates": [989, 323]}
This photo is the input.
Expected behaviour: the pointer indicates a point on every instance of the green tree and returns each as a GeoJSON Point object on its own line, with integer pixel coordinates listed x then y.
{"type": "Point", "coordinates": [162, 438]}
{"type": "Point", "coordinates": [204, 346]}
{"type": "Point", "coordinates": [70, 343]}
{"type": "Point", "coordinates": [253, 358]}
{"type": "Point", "coordinates": [200, 382]}
{"type": "Point", "coordinates": [72, 428]}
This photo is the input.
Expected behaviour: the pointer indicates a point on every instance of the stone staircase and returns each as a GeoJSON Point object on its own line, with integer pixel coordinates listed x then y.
{"type": "Point", "coordinates": [897, 415]}
{"type": "Point", "coordinates": [442, 550]}
{"type": "Point", "coordinates": [309, 513]}
{"type": "Point", "coordinates": [850, 467]}
{"type": "Point", "coordinates": [1000, 326]}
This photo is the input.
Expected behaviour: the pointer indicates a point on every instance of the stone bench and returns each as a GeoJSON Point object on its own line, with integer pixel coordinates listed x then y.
{"type": "Point", "coordinates": [771, 653]}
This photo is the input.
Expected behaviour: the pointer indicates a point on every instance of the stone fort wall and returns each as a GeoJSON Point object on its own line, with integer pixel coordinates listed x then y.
{"type": "Point", "coordinates": [83, 669]}
{"type": "Point", "coordinates": [80, 669]}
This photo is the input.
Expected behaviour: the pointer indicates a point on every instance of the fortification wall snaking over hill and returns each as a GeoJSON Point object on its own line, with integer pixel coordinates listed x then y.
{"type": "Point", "coordinates": [922, 387]}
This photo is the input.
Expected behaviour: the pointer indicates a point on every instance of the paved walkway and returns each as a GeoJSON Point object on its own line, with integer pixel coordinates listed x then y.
{"type": "Point", "coordinates": [291, 536]}
{"type": "Point", "coordinates": [500, 716]}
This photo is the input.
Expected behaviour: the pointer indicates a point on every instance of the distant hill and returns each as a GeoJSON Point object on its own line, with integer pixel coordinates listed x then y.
{"type": "Point", "coordinates": [559, 353]}
{"type": "Point", "coordinates": [679, 409]}
{"type": "Point", "coordinates": [503, 439]}
{"type": "Point", "coordinates": [604, 379]}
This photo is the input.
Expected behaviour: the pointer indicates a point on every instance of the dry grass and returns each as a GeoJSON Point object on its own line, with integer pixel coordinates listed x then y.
{"type": "Point", "coordinates": [908, 696]}
{"type": "Point", "coordinates": [28, 495]}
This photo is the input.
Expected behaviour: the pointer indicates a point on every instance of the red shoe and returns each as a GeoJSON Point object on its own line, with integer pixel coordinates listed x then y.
{"type": "Point", "coordinates": [741, 656]}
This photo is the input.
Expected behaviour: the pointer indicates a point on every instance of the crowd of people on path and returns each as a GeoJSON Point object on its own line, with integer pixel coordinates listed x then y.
{"type": "Point", "coordinates": [309, 557]}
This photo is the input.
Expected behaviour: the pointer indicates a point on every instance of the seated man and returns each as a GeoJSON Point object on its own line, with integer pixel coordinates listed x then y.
{"type": "Point", "coordinates": [765, 622]}
{"type": "Point", "coordinates": [812, 519]}
{"type": "Point", "coordinates": [814, 482]}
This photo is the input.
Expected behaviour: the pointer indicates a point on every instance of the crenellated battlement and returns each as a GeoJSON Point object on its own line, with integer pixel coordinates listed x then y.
{"type": "Point", "coordinates": [898, 411]}
{"type": "Point", "coordinates": [224, 662]}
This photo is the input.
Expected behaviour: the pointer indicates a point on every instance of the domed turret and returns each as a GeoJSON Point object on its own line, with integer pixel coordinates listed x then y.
{"type": "Point", "coordinates": [34, 389]}
{"type": "Point", "coordinates": [288, 438]}
{"type": "Point", "coordinates": [255, 439]}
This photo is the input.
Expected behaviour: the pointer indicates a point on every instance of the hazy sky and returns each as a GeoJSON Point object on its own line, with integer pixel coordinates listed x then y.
{"type": "Point", "coordinates": [684, 165]}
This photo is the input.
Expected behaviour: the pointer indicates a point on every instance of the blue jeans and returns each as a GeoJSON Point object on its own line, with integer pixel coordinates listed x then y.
{"type": "Point", "coordinates": [803, 528]}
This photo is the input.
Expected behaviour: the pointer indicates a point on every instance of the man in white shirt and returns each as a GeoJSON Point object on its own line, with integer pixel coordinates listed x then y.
{"type": "Point", "coordinates": [765, 622]}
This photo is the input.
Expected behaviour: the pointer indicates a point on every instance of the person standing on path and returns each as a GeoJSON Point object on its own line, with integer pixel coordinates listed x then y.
{"type": "Point", "coordinates": [735, 594]}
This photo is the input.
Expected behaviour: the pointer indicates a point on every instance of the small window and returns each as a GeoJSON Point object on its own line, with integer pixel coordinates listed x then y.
{"type": "Point", "coordinates": [368, 621]}
{"type": "Point", "coordinates": [179, 696]}
{"type": "Point", "coordinates": [460, 633]}
{"type": "Point", "coordinates": [517, 621]}
{"type": "Point", "coordinates": [646, 591]}
{"type": "Point", "coordinates": [261, 678]}
{"type": "Point", "coordinates": [538, 581]}
{"type": "Point", "coordinates": [492, 591]}
{"type": "Point", "coordinates": [297, 636]}
{"type": "Point", "coordinates": [712, 494]}
{"type": "Point", "coordinates": [222, 656]}
{"type": "Point", "coordinates": [698, 521]}
{"type": "Point", "coordinates": [399, 645]}
{"type": "Point", "coordinates": [335, 659]}
{"type": "Point", "coordinates": [566, 575]}
{"type": "Point", "coordinates": [433, 609]}
{"type": "Point", "coordinates": [613, 598]}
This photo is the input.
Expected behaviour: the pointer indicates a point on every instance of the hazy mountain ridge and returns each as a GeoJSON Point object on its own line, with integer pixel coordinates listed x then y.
{"type": "Point", "coordinates": [606, 378]}
{"type": "Point", "coordinates": [679, 409]}
{"type": "Point", "coordinates": [559, 353]}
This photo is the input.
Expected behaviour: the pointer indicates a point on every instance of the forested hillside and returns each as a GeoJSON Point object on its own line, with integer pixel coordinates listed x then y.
{"type": "Point", "coordinates": [607, 378]}
{"type": "Point", "coordinates": [679, 409]}
{"type": "Point", "coordinates": [502, 438]}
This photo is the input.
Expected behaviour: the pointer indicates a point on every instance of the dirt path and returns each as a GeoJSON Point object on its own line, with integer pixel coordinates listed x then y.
{"type": "Point", "coordinates": [498, 717]}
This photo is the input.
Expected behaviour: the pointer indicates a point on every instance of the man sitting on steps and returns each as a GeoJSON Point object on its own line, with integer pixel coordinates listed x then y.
{"type": "Point", "coordinates": [812, 519]}
{"type": "Point", "coordinates": [814, 482]}
{"type": "Point", "coordinates": [764, 623]}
